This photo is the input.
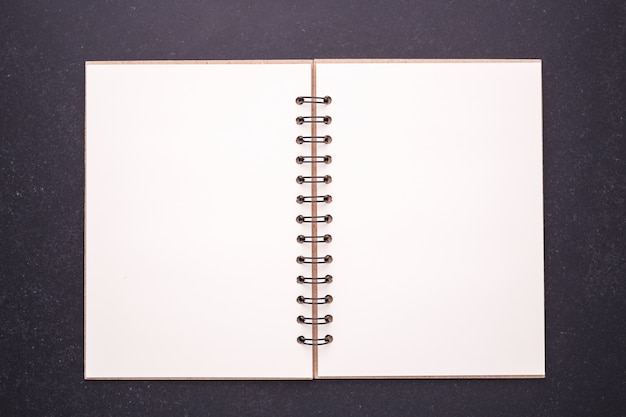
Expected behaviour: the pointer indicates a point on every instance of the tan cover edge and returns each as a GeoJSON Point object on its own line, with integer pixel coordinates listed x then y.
{"type": "Point", "coordinates": [207, 61]}
{"type": "Point", "coordinates": [156, 378]}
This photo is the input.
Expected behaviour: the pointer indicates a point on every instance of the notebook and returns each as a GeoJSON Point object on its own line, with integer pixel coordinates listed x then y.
{"type": "Point", "coordinates": [313, 219]}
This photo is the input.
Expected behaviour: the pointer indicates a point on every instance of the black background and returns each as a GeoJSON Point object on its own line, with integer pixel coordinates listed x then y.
{"type": "Point", "coordinates": [44, 45]}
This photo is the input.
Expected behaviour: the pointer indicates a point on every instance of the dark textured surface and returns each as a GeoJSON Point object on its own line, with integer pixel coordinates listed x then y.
{"type": "Point", "coordinates": [43, 48]}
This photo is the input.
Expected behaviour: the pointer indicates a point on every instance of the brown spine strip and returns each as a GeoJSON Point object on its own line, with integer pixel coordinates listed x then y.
{"type": "Point", "coordinates": [314, 309]}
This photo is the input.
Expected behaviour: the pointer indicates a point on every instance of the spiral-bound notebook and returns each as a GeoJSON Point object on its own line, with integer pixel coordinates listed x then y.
{"type": "Point", "coordinates": [313, 219]}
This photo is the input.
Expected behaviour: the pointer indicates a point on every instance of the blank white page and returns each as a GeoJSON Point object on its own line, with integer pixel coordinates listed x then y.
{"type": "Point", "coordinates": [190, 234]}
{"type": "Point", "coordinates": [438, 226]}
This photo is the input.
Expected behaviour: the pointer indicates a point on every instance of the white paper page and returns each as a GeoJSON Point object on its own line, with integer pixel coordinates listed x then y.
{"type": "Point", "coordinates": [438, 227]}
{"type": "Point", "coordinates": [190, 234]}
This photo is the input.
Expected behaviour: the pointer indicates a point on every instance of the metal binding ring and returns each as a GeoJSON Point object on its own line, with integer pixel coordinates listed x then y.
{"type": "Point", "coordinates": [314, 119]}
{"type": "Point", "coordinates": [315, 320]}
{"type": "Point", "coordinates": [314, 260]}
{"type": "Point", "coordinates": [327, 159]}
{"type": "Point", "coordinates": [316, 300]}
{"type": "Point", "coordinates": [314, 199]}
{"type": "Point", "coordinates": [315, 342]}
{"type": "Point", "coordinates": [323, 280]}
{"type": "Point", "coordinates": [314, 219]}
{"type": "Point", "coordinates": [313, 139]}
{"type": "Point", "coordinates": [325, 179]}
{"type": "Point", "coordinates": [313, 99]}
{"type": "Point", "coordinates": [314, 239]}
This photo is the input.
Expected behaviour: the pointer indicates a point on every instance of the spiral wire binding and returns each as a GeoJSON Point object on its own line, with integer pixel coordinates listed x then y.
{"type": "Point", "coordinates": [317, 239]}
{"type": "Point", "coordinates": [315, 342]}
{"type": "Point", "coordinates": [309, 99]}
{"type": "Point", "coordinates": [315, 320]}
{"type": "Point", "coordinates": [314, 199]}
{"type": "Point", "coordinates": [314, 219]}
{"type": "Point", "coordinates": [314, 300]}
{"type": "Point", "coordinates": [314, 238]}
{"type": "Point", "coordinates": [314, 139]}
{"type": "Point", "coordinates": [324, 179]}
{"type": "Point", "coordinates": [323, 280]}
{"type": "Point", "coordinates": [327, 159]}
{"type": "Point", "coordinates": [314, 259]}
{"type": "Point", "coordinates": [314, 119]}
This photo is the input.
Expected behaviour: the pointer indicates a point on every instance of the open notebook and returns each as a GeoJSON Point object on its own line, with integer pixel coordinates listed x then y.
{"type": "Point", "coordinates": [209, 245]}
